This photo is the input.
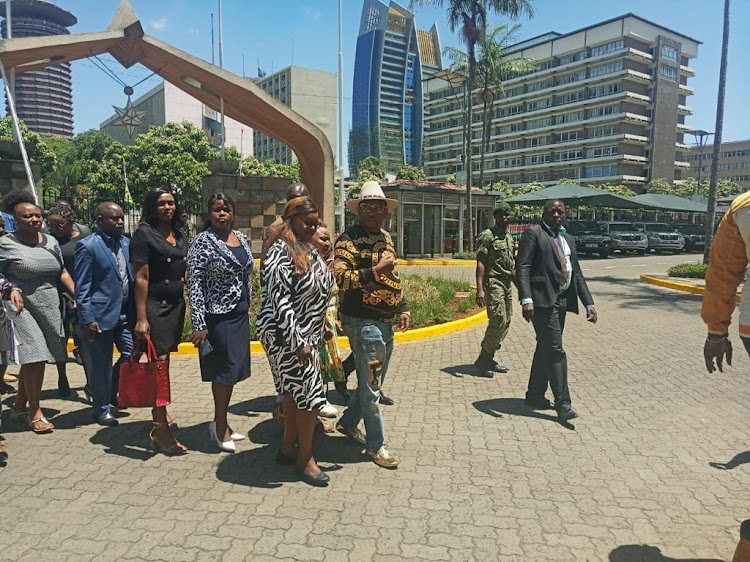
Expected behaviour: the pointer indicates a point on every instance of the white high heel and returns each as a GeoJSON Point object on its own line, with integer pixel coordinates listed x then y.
{"type": "Point", "coordinates": [226, 446]}
{"type": "Point", "coordinates": [236, 436]}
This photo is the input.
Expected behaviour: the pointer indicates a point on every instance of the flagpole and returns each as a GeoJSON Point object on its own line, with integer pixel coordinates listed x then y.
{"type": "Point", "coordinates": [342, 218]}
{"type": "Point", "coordinates": [221, 99]}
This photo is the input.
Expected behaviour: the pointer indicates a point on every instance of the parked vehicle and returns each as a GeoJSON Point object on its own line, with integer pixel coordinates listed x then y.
{"type": "Point", "coordinates": [590, 238]}
{"type": "Point", "coordinates": [662, 236]}
{"type": "Point", "coordinates": [695, 236]}
{"type": "Point", "coordinates": [626, 237]}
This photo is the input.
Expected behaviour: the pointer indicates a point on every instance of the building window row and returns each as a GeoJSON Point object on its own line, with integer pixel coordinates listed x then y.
{"type": "Point", "coordinates": [723, 154]}
{"type": "Point", "coordinates": [739, 178]}
{"type": "Point", "coordinates": [608, 48]}
{"type": "Point", "coordinates": [670, 53]}
{"type": "Point", "coordinates": [603, 151]}
{"type": "Point", "coordinates": [727, 166]}
{"type": "Point", "coordinates": [668, 72]}
{"type": "Point", "coordinates": [601, 171]}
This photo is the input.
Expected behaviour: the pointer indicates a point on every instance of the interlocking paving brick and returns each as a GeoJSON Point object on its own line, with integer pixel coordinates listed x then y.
{"type": "Point", "coordinates": [481, 476]}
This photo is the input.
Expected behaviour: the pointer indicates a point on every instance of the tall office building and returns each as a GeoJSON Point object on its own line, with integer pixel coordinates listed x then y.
{"type": "Point", "coordinates": [734, 162]}
{"type": "Point", "coordinates": [312, 94]}
{"type": "Point", "coordinates": [44, 98]}
{"type": "Point", "coordinates": [392, 60]}
{"type": "Point", "coordinates": [606, 104]}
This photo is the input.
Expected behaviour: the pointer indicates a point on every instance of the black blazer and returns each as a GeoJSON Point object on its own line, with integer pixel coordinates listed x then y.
{"type": "Point", "coordinates": [538, 269]}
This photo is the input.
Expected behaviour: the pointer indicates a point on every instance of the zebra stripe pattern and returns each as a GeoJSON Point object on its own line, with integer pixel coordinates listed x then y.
{"type": "Point", "coordinates": [292, 315]}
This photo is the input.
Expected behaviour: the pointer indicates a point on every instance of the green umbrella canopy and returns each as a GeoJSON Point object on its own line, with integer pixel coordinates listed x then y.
{"type": "Point", "coordinates": [664, 202]}
{"type": "Point", "coordinates": [575, 196]}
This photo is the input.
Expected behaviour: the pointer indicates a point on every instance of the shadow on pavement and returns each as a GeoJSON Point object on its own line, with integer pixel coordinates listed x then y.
{"type": "Point", "coordinates": [459, 371]}
{"type": "Point", "coordinates": [252, 408]}
{"type": "Point", "coordinates": [641, 295]}
{"type": "Point", "coordinates": [126, 440]}
{"type": "Point", "coordinates": [739, 459]}
{"type": "Point", "coordinates": [257, 468]}
{"type": "Point", "coordinates": [498, 407]}
{"type": "Point", "coordinates": [645, 553]}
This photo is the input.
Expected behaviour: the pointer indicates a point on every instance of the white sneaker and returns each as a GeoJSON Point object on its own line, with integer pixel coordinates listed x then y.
{"type": "Point", "coordinates": [328, 411]}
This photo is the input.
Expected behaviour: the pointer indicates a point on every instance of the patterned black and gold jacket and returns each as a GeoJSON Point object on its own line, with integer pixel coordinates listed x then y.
{"type": "Point", "coordinates": [365, 293]}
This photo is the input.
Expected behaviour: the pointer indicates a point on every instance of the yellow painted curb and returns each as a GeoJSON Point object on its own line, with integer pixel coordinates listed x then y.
{"type": "Point", "coordinates": [187, 348]}
{"type": "Point", "coordinates": [437, 262]}
{"type": "Point", "coordinates": [676, 285]}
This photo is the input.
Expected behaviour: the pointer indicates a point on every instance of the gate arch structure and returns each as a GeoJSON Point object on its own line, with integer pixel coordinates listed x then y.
{"type": "Point", "coordinates": [126, 41]}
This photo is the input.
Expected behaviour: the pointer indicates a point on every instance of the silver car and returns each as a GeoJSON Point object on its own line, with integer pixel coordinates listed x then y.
{"type": "Point", "coordinates": [626, 237]}
{"type": "Point", "coordinates": [662, 237]}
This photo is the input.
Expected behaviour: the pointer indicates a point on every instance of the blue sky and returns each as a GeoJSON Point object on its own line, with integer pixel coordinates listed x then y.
{"type": "Point", "coordinates": [306, 32]}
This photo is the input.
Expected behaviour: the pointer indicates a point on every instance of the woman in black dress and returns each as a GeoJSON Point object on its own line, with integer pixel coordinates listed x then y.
{"type": "Point", "coordinates": [158, 251]}
{"type": "Point", "coordinates": [219, 268]}
{"type": "Point", "coordinates": [60, 220]}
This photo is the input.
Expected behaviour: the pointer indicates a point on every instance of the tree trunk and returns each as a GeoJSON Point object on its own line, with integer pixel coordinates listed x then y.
{"type": "Point", "coordinates": [469, 169]}
{"type": "Point", "coordinates": [711, 207]}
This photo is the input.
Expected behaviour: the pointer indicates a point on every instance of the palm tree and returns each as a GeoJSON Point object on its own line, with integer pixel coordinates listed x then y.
{"type": "Point", "coordinates": [492, 67]}
{"type": "Point", "coordinates": [469, 17]}
{"type": "Point", "coordinates": [713, 186]}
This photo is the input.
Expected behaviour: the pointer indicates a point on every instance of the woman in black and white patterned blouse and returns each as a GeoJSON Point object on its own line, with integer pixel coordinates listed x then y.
{"type": "Point", "coordinates": [296, 288]}
{"type": "Point", "coordinates": [219, 284]}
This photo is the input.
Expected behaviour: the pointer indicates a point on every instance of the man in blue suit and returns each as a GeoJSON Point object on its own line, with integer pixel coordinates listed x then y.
{"type": "Point", "coordinates": [104, 296]}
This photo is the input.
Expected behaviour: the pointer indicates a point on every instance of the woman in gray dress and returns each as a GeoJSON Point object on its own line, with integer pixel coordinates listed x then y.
{"type": "Point", "coordinates": [34, 263]}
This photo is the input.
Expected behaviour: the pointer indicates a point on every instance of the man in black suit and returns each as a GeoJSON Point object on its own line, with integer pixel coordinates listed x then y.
{"type": "Point", "coordinates": [550, 282]}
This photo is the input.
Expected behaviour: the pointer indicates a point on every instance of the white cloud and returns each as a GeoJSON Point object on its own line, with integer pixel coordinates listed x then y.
{"type": "Point", "coordinates": [159, 24]}
{"type": "Point", "coordinates": [194, 31]}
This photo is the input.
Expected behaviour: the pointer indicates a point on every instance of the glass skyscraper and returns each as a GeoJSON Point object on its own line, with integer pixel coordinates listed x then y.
{"type": "Point", "coordinates": [393, 58]}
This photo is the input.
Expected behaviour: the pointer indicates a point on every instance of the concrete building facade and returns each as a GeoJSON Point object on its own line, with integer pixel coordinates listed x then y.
{"type": "Point", "coordinates": [606, 104]}
{"type": "Point", "coordinates": [392, 60]}
{"type": "Point", "coordinates": [165, 103]}
{"type": "Point", "coordinates": [44, 98]}
{"type": "Point", "coordinates": [312, 94]}
{"type": "Point", "coordinates": [734, 162]}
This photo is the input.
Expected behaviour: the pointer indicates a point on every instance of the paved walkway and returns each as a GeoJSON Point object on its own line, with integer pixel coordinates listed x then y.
{"type": "Point", "coordinates": [658, 462]}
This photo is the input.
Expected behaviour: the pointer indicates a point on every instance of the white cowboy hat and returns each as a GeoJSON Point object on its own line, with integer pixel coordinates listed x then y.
{"type": "Point", "coordinates": [371, 191]}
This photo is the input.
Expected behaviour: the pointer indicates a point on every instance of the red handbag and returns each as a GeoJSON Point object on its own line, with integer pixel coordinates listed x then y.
{"type": "Point", "coordinates": [144, 385]}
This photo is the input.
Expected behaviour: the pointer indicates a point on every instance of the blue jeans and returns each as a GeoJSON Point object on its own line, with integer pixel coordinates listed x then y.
{"type": "Point", "coordinates": [97, 356]}
{"type": "Point", "coordinates": [370, 340]}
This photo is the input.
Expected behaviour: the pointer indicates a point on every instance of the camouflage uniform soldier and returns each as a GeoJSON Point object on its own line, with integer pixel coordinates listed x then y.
{"type": "Point", "coordinates": [495, 272]}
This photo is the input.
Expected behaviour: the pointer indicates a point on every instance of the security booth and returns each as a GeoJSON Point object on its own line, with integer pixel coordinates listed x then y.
{"type": "Point", "coordinates": [430, 217]}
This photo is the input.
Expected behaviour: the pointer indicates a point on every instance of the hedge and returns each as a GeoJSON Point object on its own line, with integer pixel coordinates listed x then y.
{"type": "Point", "coordinates": [693, 270]}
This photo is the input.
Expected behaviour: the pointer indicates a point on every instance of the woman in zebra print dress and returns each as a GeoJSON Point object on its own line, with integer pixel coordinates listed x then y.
{"type": "Point", "coordinates": [296, 288]}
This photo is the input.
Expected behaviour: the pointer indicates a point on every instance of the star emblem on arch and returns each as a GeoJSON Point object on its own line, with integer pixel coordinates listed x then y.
{"type": "Point", "coordinates": [128, 117]}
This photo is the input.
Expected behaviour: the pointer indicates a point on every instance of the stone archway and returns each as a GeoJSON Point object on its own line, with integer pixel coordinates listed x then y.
{"type": "Point", "coordinates": [126, 41]}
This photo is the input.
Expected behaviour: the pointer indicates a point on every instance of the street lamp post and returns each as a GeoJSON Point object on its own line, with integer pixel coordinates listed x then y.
{"type": "Point", "coordinates": [701, 137]}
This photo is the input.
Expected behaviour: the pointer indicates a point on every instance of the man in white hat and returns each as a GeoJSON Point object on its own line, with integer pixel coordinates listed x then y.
{"type": "Point", "coordinates": [373, 301]}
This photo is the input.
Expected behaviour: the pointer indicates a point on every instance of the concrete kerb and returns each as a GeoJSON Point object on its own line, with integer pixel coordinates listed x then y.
{"type": "Point", "coordinates": [676, 285]}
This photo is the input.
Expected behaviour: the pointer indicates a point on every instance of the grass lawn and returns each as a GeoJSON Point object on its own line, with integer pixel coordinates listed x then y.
{"type": "Point", "coordinates": [432, 300]}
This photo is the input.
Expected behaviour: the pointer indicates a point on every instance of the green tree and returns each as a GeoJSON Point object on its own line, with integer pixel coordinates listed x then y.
{"type": "Point", "coordinates": [492, 67]}
{"type": "Point", "coordinates": [79, 158]}
{"type": "Point", "coordinates": [269, 168]}
{"type": "Point", "coordinates": [409, 172]}
{"type": "Point", "coordinates": [372, 165]}
{"type": "Point", "coordinates": [470, 17]}
{"type": "Point", "coordinates": [36, 148]}
{"type": "Point", "coordinates": [170, 154]}
{"type": "Point", "coordinates": [659, 185]}
{"type": "Point", "coordinates": [616, 189]}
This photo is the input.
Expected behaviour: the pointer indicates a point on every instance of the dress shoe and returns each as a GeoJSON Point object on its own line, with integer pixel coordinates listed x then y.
{"type": "Point", "coordinates": [539, 404]}
{"type": "Point", "coordinates": [321, 480]}
{"type": "Point", "coordinates": [355, 434]}
{"type": "Point", "coordinates": [566, 413]}
{"type": "Point", "coordinates": [485, 366]}
{"type": "Point", "coordinates": [226, 446]}
{"type": "Point", "coordinates": [385, 401]}
{"type": "Point", "coordinates": [498, 368]}
{"type": "Point", "coordinates": [106, 419]}
{"type": "Point", "coordinates": [383, 458]}
{"type": "Point", "coordinates": [485, 372]}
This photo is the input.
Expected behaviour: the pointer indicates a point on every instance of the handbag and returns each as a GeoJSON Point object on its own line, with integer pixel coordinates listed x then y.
{"type": "Point", "coordinates": [144, 385]}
